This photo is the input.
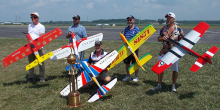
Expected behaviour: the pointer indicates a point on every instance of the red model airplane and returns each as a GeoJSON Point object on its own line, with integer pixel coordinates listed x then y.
{"type": "Point", "coordinates": [32, 47]}
{"type": "Point", "coordinates": [183, 47]}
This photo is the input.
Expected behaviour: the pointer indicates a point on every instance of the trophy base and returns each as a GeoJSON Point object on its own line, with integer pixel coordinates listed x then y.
{"type": "Point", "coordinates": [74, 99]}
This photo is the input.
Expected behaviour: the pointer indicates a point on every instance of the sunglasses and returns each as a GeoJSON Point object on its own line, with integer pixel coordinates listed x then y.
{"type": "Point", "coordinates": [34, 17]}
{"type": "Point", "coordinates": [75, 19]}
{"type": "Point", "coordinates": [129, 20]}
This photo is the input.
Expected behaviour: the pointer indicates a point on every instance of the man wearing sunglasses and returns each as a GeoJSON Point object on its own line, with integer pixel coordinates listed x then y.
{"type": "Point", "coordinates": [171, 30]}
{"type": "Point", "coordinates": [94, 58]}
{"type": "Point", "coordinates": [78, 30]}
{"type": "Point", "coordinates": [36, 29]}
{"type": "Point", "coordinates": [130, 31]}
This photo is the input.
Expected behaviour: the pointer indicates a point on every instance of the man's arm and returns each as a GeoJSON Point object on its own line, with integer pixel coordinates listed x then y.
{"type": "Point", "coordinates": [84, 33]}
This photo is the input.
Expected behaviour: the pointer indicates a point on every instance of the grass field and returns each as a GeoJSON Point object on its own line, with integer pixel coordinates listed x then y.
{"type": "Point", "coordinates": [200, 90]}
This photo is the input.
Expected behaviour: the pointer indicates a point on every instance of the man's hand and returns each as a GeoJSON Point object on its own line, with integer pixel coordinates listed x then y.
{"type": "Point", "coordinates": [69, 34]}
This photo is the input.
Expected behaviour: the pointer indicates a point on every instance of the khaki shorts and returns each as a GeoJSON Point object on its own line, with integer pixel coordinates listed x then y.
{"type": "Point", "coordinates": [100, 77]}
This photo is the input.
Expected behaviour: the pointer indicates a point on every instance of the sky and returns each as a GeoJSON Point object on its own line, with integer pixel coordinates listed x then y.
{"type": "Point", "coordinates": [64, 10]}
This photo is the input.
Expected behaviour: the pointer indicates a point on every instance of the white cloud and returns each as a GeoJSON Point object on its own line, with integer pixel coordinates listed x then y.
{"type": "Point", "coordinates": [89, 6]}
{"type": "Point", "coordinates": [115, 5]}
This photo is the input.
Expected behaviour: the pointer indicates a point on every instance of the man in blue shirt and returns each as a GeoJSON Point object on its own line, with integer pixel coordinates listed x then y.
{"type": "Point", "coordinates": [78, 30]}
{"type": "Point", "coordinates": [130, 32]}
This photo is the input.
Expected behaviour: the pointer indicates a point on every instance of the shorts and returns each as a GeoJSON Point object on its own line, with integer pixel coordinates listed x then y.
{"type": "Point", "coordinates": [130, 58]}
{"type": "Point", "coordinates": [174, 67]}
{"type": "Point", "coordinates": [100, 77]}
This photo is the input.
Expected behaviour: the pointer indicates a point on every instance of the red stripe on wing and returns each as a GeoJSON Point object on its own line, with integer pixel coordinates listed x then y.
{"type": "Point", "coordinates": [201, 28]}
{"type": "Point", "coordinates": [83, 78]}
{"type": "Point", "coordinates": [97, 68]}
{"type": "Point", "coordinates": [99, 93]}
{"type": "Point", "coordinates": [106, 87]}
{"type": "Point", "coordinates": [160, 66]}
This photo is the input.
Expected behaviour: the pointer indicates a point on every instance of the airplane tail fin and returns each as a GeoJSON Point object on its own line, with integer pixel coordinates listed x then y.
{"type": "Point", "coordinates": [39, 60]}
{"type": "Point", "coordinates": [106, 87]}
{"type": "Point", "coordinates": [143, 60]}
{"type": "Point", "coordinates": [206, 58]}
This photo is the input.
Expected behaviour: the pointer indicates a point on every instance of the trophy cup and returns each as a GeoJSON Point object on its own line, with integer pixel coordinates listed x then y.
{"type": "Point", "coordinates": [74, 95]}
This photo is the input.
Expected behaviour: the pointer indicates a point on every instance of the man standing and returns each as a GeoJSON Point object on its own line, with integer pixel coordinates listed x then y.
{"type": "Point", "coordinates": [130, 32]}
{"type": "Point", "coordinates": [171, 30]}
{"type": "Point", "coordinates": [36, 29]}
{"type": "Point", "coordinates": [95, 57]}
{"type": "Point", "coordinates": [78, 30]}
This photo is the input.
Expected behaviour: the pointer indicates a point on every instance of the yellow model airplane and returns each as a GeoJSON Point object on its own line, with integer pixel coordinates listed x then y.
{"type": "Point", "coordinates": [131, 46]}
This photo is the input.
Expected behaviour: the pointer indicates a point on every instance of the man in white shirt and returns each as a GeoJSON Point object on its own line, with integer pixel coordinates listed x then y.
{"type": "Point", "coordinates": [36, 29]}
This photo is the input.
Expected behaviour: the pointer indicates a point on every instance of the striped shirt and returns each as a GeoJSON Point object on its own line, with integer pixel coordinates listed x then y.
{"type": "Point", "coordinates": [130, 33]}
{"type": "Point", "coordinates": [79, 31]}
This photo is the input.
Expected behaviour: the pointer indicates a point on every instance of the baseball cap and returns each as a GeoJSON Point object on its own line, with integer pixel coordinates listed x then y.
{"type": "Point", "coordinates": [98, 42]}
{"type": "Point", "coordinates": [35, 13]}
{"type": "Point", "coordinates": [170, 14]}
{"type": "Point", "coordinates": [76, 17]}
{"type": "Point", "coordinates": [132, 17]}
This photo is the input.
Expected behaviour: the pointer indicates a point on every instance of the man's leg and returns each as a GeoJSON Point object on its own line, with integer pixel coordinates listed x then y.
{"type": "Point", "coordinates": [41, 67]}
{"type": "Point", "coordinates": [31, 58]}
{"type": "Point", "coordinates": [174, 68]}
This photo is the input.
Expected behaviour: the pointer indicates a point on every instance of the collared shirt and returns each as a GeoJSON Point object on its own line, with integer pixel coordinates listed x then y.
{"type": "Point", "coordinates": [130, 33]}
{"type": "Point", "coordinates": [94, 58]}
{"type": "Point", "coordinates": [35, 30]}
{"type": "Point", "coordinates": [176, 35]}
{"type": "Point", "coordinates": [79, 31]}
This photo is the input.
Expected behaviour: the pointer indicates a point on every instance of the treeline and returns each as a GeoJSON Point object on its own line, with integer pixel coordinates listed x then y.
{"type": "Point", "coordinates": [122, 22]}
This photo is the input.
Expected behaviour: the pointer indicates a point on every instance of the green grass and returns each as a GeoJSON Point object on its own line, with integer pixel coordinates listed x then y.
{"type": "Point", "coordinates": [198, 90]}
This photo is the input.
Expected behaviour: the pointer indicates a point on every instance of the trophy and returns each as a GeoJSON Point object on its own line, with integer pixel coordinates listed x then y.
{"type": "Point", "coordinates": [74, 95]}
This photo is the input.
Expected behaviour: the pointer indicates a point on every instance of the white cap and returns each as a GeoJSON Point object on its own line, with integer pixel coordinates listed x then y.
{"type": "Point", "coordinates": [170, 14]}
{"type": "Point", "coordinates": [35, 13]}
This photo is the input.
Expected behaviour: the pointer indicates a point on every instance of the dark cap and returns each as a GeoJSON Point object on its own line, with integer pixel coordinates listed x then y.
{"type": "Point", "coordinates": [98, 42]}
{"type": "Point", "coordinates": [132, 17]}
{"type": "Point", "coordinates": [76, 17]}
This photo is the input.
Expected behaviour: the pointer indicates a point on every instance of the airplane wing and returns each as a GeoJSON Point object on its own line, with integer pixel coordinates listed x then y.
{"type": "Point", "coordinates": [46, 38]}
{"type": "Point", "coordinates": [200, 62]}
{"type": "Point", "coordinates": [177, 52]}
{"type": "Point", "coordinates": [82, 45]}
{"type": "Point", "coordinates": [135, 43]}
{"type": "Point", "coordinates": [17, 55]}
{"type": "Point", "coordinates": [106, 87]}
{"type": "Point", "coordinates": [98, 67]}
{"type": "Point", "coordinates": [143, 60]}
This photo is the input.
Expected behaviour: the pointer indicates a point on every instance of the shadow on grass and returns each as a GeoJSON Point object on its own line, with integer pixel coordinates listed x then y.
{"type": "Point", "coordinates": [121, 76]}
{"type": "Point", "coordinates": [187, 95]}
{"type": "Point", "coordinates": [165, 87]}
{"type": "Point", "coordinates": [36, 79]}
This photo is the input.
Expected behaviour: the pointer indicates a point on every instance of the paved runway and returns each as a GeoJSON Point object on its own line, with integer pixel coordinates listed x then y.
{"type": "Point", "coordinates": [210, 37]}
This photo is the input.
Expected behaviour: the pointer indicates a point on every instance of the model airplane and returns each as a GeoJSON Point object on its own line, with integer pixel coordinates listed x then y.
{"type": "Point", "coordinates": [183, 47]}
{"type": "Point", "coordinates": [91, 72]}
{"type": "Point", "coordinates": [32, 47]}
{"type": "Point", "coordinates": [81, 45]}
{"type": "Point", "coordinates": [131, 46]}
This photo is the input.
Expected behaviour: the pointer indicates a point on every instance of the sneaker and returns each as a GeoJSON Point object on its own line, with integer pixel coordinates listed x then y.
{"type": "Point", "coordinates": [156, 88]}
{"type": "Point", "coordinates": [173, 88]}
{"type": "Point", "coordinates": [30, 80]}
{"type": "Point", "coordinates": [42, 80]}
{"type": "Point", "coordinates": [127, 78]}
{"type": "Point", "coordinates": [135, 79]}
